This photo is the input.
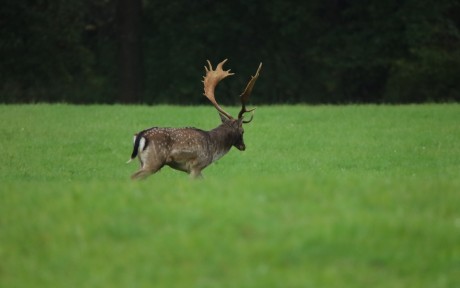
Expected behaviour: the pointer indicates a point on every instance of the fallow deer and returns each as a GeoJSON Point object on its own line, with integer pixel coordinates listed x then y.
{"type": "Point", "coordinates": [191, 149]}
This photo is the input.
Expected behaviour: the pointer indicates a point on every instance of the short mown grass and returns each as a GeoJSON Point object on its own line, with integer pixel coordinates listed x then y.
{"type": "Point", "coordinates": [324, 196]}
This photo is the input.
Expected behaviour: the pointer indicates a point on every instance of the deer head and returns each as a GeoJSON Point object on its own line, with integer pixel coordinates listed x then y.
{"type": "Point", "coordinates": [235, 126]}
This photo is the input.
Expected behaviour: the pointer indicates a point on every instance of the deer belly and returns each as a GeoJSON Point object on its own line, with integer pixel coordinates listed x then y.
{"type": "Point", "coordinates": [181, 159]}
{"type": "Point", "coordinates": [179, 166]}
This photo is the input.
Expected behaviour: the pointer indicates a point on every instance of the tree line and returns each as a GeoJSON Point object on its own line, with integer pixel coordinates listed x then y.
{"type": "Point", "coordinates": [317, 51]}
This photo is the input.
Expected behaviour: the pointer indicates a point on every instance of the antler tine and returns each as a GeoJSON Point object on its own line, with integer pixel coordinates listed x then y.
{"type": "Point", "coordinates": [212, 78]}
{"type": "Point", "coordinates": [246, 93]}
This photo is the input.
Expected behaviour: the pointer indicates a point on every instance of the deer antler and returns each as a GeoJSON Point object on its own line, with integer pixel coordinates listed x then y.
{"type": "Point", "coordinates": [245, 95]}
{"type": "Point", "coordinates": [210, 82]}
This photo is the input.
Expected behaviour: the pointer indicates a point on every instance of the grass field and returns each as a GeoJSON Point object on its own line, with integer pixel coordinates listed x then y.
{"type": "Point", "coordinates": [323, 196]}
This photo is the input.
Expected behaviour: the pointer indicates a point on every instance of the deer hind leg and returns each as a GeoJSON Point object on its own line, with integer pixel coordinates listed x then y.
{"type": "Point", "coordinates": [146, 171]}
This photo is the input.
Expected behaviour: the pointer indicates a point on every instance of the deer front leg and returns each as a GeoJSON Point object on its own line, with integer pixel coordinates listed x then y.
{"type": "Point", "coordinates": [196, 173]}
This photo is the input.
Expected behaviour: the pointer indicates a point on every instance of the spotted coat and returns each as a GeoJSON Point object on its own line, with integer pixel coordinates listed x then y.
{"type": "Point", "coordinates": [186, 149]}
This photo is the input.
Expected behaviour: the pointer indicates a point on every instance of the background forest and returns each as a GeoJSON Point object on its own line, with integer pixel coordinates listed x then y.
{"type": "Point", "coordinates": [316, 51]}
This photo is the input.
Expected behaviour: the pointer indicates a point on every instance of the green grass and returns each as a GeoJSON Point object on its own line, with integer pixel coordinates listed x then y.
{"type": "Point", "coordinates": [323, 196]}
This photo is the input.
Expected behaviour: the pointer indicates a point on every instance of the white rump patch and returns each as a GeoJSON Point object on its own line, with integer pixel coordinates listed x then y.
{"type": "Point", "coordinates": [141, 144]}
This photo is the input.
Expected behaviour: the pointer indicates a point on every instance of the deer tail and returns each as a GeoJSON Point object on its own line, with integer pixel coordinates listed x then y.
{"type": "Point", "coordinates": [139, 145]}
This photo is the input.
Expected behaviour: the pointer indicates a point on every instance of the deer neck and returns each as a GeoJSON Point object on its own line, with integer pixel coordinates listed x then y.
{"type": "Point", "coordinates": [222, 138]}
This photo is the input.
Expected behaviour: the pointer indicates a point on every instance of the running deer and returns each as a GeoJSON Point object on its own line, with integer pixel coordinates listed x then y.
{"type": "Point", "coordinates": [191, 149]}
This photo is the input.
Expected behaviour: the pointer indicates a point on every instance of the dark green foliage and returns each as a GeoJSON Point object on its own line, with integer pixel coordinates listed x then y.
{"type": "Point", "coordinates": [334, 51]}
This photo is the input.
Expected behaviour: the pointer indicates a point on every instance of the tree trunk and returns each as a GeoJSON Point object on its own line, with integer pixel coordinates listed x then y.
{"type": "Point", "coordinates": [129, 13]}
